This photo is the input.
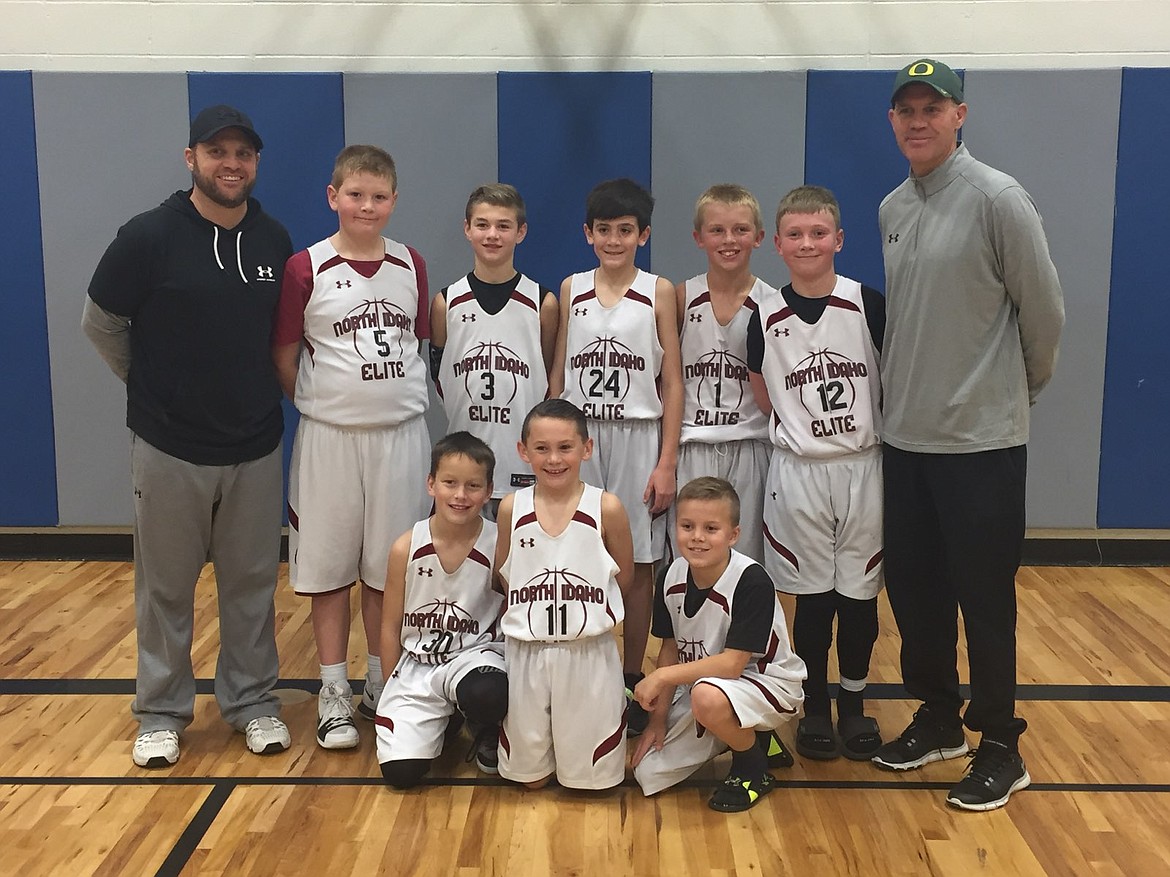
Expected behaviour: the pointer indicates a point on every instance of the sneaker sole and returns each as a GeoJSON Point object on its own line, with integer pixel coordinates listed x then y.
{"type": "Point", "coordinates": [930, 757]}
{"type": "Point", "coordinates": [487, 768]}
{"type": "Point", "coordinates": [156, 762]}
{"type": "Point", "coordinates": [270, 749]}
{"type": "Point", "coordinates": [367, 712]}
{"type": "Point", "coordinates": [344, 744]}
{"type": "Point", "coordinates": [1022, 783]}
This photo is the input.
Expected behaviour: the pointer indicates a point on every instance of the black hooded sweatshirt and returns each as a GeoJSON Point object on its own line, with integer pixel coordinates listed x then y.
{"type": "Point", "coordinates": [200, 299]}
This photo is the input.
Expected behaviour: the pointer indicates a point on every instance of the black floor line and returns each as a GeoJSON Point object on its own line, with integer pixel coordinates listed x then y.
{"type": "Point", "coordinates": [223, 786]}
{"type": "Point", "coordinates": [874, 691]}
{"type": "Point", "coordinates": [180, 853]}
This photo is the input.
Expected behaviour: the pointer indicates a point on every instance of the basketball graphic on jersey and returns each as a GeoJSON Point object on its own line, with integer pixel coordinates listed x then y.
{"type": "Point", "coordinates": [376, 328]}
{"type": "Point", "coordinates": [691, 650]}
{"type": "Point", "coordinates": [558, 604]}
{"type": "Point", "coordinates": [721, 378]}
{"type": "Point", "coordinates": [825, 382]}
{"type": "Point", "coordinates": [442, 625]}
{"type": "Point", "coordinates": [603, 368]}
{"type": "Point", "coordinates": [489, 371]}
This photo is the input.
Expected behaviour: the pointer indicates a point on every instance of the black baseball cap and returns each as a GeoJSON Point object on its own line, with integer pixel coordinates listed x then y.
{"type": "Point", "coordinates": [212, 120]}
{"type": "Point", "coordinates": [936, 74]}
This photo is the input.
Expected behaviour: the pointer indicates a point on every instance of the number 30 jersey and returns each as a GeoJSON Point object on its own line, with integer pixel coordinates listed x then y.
{"type": "Point", "coordinates": [612, 354]}
{"type": "Point", "coordinates": [447, 613]}
{"type": "Point", "coordinates": [822, 377]}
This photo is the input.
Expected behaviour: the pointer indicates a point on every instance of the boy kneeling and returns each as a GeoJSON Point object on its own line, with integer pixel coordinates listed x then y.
{"type": "Point", "coordinates": [725, 646]}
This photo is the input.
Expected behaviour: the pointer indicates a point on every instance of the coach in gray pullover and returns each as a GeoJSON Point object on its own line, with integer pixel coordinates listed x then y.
{"type": "Point", "coordinates": [974, 315]}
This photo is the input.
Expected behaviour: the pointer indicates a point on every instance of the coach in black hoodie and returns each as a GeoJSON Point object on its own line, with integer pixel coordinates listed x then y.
{"type": "Point", "coordinates": [180, 307]}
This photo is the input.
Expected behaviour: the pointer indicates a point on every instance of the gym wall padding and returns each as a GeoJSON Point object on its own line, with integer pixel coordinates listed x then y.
{"type": "Point", "coordinates": [28, 492]}
{"type": "Point", "coordinates": [90, 150]}
{"type": "Point", "coordinates": [1033, 127]}
{"type": "Point", "coordinates": [560, 135]}
{"type": "Point", "coordinates": [745, 128]}
{"type": "Point", "coordinates": [1134, 482]}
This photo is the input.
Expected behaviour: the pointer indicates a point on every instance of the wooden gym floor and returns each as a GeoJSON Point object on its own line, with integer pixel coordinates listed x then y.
{"type": "Point", "coordinates": [1094, 651]}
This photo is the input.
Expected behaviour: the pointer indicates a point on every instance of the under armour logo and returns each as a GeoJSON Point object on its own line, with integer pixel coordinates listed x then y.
{"type": "Point", "coordinates": [696, 318]}
{"type": "Point", "coordinates": [892, 239]}
{"type": "Point", "coordinates": [138, 493]}
{"type": "Point", "coordinates": [773, 495]}
{"type": "Point", "coordinates": [343, 283]}
{"type": "Point", "coordinates": [580, 312]}
{"type": "Point", "coordinates": [467, 318]}
{"type": "Point", "coordinates": [527, 543]}
{"type": "Point", "coordinates": [426, 571]}
{"type": "Point", "coordinates": [778, 331]}
{"type": "Point", "coordinates": [264, 272]}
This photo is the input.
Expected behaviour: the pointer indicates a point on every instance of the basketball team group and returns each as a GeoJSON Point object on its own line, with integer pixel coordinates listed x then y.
{"type": "Point", "coordinates": [626, 451]}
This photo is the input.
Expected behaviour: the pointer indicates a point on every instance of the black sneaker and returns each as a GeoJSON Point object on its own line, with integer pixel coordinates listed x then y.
{"type": "Point", "coordinates": [995, 772]}
{"type": "Point", "coordinates": [485, 749]}
{"type": "Point", "coordinates": [636, 716]}
{"type": "Point", "coordinates": [736, 794]}
{"type": "Point", "coordinates": [922, 742]}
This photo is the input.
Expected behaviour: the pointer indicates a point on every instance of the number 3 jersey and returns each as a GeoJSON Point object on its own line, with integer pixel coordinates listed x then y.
{"type": "Point", "coordinates": [560, 587]}
{"type": "Point", "coordinates": [612, 354]}
{"type": "Point", "coordinates": [361, 323]}
{"type": "Point", "coordinates": [492, 373]}
{"type": "Point", "coordinates": [822, 377]}
{"type": "Point", "coordinates": [447, 613]}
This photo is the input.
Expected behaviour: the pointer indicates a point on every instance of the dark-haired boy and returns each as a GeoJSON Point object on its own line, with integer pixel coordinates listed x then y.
{"type": "Point", "coordinates": [618, 360]}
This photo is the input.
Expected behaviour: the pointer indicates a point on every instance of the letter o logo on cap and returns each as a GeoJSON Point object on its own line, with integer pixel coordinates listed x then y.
{"type": "Point", "coordinates": [922, 68]}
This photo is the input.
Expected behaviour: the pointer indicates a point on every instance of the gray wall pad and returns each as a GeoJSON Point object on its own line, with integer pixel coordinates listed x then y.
{"type": "Point", "coordinates": [1031, 124]}
{"type": "Point", "coordinates": [745, 128]}
{"type": "Point", "coordinates": [441, 130]}
{"type": "Point", "coordinates": [109, 146]}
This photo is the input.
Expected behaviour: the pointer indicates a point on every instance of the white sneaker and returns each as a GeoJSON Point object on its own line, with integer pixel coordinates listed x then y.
{"type": "Point", "coordinates": [371, 694]}
{"type": "Point", "coordinates": [156, 749]}
{"type": "Point", "coordinates": [335, 727]}
{"type": "Point", "coordinates": [266, 735]}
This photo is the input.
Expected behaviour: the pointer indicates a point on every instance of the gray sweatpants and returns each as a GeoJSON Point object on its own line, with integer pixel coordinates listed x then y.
{"type": "Point", "coordinates": [184, 516]}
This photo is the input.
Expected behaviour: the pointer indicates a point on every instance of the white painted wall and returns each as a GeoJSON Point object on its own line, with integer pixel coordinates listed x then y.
{"type": "Point", "coordinates": [550, 35]}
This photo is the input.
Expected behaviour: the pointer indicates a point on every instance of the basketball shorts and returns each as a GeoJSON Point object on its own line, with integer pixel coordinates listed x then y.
{"type": "Point", "coordinates": [625, 452]}
{"type": "Point", "coordinates": [566, 713]}
{"type": "Point", "coordinates": [688, 746]}
{"type": "Point", "coordinates": [419, 699]}
{"type": "Point", "coordinates": [351, 493]}
{"type": "Point", "coordinates": [743, 463]}
{"type": "Point", "coordinates": [823, 530]}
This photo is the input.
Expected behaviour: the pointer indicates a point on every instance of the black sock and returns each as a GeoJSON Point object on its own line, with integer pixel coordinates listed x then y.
{"type": "Point", "coordinates": [751, 762]}
{"type": "Point", "coordinates": [850, 703]}
{"type": "Point", "coordinates": [812, 634]}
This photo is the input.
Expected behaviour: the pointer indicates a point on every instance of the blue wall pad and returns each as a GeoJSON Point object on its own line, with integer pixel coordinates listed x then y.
{"type": "Point", "coordinates": [850, 148]}
{"type": "Point", "coordinates": [28, 487]}
{"type": "Point", "coordinates": [1135, 467]}
{"type": "Point", "coordinates": [301, 118]}
{"type": "Point", "coordinates": [559, 135]}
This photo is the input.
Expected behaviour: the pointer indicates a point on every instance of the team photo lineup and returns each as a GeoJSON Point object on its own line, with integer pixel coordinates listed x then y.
{"type": "Point", "coordinates": [623, 454]}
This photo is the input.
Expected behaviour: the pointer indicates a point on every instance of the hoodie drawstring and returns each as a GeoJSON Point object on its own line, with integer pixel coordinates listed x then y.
{"type": "Point", "coordinates": [239, 257]}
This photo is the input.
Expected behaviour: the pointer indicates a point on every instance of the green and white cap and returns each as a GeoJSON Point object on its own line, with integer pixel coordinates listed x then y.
{"type": "Point", "coordinates": [936, 74]}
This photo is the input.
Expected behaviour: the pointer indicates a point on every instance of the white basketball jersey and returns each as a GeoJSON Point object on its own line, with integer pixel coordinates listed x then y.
{"type": "Point", "coordinates": [718, 405]}
{"type": "Point", "coordinates": [705, 633]}
{"type": "Point", "coordinates": [492, 373]}
{"type": "Point", "coordinates": [447, 613]}
{"type": "Point", "coordinates": [822, 378]}
{"type": "Point", "coordinates": [613, 355]}
{"type": "Point", "coordinates": [560, 587]}
{"type": "Point", "coordinates": [360, 364]}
